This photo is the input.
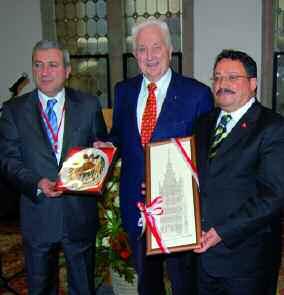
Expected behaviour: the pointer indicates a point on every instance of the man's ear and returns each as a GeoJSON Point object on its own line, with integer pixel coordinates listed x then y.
{"type": "Point", "coordinates": [68, 71]}
{"type": "Point", "coordinates": [134, 53]}
{"type": "Point", "coordinates": [170, 53]}
{"type": "Point", "coordinates": [253, 84]}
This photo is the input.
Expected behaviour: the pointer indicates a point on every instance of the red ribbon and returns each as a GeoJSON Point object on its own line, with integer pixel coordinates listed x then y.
{"type": "Point", "coordinates": [53, 134]}
{"type": "Point", "coordinates": [148, 212]}
{"type": "Point", "coordinates": [187, 159]}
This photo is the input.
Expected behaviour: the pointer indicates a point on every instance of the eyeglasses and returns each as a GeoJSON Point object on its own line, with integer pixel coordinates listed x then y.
{"type": "Point", "coordinates": [230, 78]}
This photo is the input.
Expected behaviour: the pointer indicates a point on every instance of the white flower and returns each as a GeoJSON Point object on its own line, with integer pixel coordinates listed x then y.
{"type": "Point", "coordinates": [116, 202]}
{"type": "Point", "coordinates": [114, 187]}
{"type": "Point", "coordinates": [118, 164]}
{"type": "Point", "coordinates": [105, 242]}
{"type": "Point", "coordinates": [109, 185]}
{"type": "Point", "coordinates": [108, 214]}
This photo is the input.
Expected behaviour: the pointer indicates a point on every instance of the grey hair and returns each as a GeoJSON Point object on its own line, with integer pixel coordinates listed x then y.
{"type": "Point", "coordinates": [148, 23]}
{"type": "Point", "coordinates": [48, 44]}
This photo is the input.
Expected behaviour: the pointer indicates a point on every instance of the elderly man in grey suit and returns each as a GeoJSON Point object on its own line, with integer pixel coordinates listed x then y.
{"type": "Point", "coordinates": [36, 130]}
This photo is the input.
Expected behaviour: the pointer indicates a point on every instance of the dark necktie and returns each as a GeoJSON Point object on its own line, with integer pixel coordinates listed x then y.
{"type": "Point", "coordinates": [52, 118]}
{"type": "Point", "coordinates": [150, 115]}
{"type": "Point", "coordinates": [219, 134]}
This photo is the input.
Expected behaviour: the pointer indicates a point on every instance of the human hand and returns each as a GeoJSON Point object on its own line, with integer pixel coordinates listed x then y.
{"type": "Point", "coordinates": [48, 188]}
{"type": "Point", "coordinates": [208, 239]}
{"type": "Point", "coordinates": [102, 144]}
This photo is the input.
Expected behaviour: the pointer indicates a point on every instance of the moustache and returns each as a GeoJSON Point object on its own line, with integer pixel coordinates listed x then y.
{"type": "Point", "coordinates": [222, 91]}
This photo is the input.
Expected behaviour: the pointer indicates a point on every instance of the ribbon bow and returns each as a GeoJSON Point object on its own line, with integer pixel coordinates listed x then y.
{"type": "Point", "coordinates": [148, 213]}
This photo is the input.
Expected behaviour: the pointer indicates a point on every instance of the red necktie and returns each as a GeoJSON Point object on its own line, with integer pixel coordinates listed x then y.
{"type": "Point", "coordinates": [150, 115]}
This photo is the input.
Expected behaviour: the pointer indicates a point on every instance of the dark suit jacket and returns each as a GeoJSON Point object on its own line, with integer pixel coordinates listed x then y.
{"type": "Point", "coordinates": [242, 190]}
{"type": "Point", "coordinates": [185, 101]}
{"type": "Point", "coordinates": [26, 156]}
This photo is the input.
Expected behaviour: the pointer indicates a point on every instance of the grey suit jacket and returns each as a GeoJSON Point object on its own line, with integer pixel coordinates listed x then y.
{"type": "Point", "coordinates": [26, 156]}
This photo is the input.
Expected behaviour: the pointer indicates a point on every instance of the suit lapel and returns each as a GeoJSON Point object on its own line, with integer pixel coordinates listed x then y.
{"type": "Point", "coordinates": [34, 118]}
{"type": "Point", "coordinates": [240, 130]}
{"type": "Point", "coordinates": [133, 94]}
{"type": "Point", "coordinates": [205, 139]}
{"type": "Point", "coordinates": [170, 107]}
{"type": "Point", "coordinates": [72, 121]}
{"type": "Point", "coordinates": [131, 109]}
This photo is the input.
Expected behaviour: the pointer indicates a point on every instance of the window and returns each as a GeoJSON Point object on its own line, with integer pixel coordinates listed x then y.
{"type": "Point", "coordinates": [81, 27]}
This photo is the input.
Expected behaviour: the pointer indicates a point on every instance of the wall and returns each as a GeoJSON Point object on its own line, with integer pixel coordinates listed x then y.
{"type": "Point", "coordinates": [220, 24]}
{"type": "Point", "coordinates": [20, 29]}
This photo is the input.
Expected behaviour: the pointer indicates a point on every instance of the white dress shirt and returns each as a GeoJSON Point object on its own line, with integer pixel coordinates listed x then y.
{"type": "Point", "coordinates": [161, 92]}
{"type": "Point", "coordinates": [58, 108]}
{"type": "Point", "coordinates": [236, 115]}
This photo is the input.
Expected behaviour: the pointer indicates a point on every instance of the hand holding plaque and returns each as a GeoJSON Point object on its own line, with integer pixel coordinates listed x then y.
{"type": "Point", "coordinates": [86, 170]}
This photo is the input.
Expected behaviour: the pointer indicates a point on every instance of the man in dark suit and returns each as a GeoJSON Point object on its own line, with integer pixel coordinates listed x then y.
{"type": "Point", "coordinates": [31, 153]}
{"type": "Point", "coordinates": [179, 101]}
{"type": "Point", "coordinates": [240, 162]}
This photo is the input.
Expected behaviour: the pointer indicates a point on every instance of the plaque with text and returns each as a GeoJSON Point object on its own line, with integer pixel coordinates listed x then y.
{"type": "Point", "coordinates": [169, 177]}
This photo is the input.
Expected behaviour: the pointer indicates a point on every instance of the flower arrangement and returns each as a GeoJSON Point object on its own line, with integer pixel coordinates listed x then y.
{"type": "Point", "coordinates": [112, 247]}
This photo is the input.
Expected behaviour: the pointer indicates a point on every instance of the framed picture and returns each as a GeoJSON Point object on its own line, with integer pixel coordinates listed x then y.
{"type": "Point", "coordinates": [169, 177]}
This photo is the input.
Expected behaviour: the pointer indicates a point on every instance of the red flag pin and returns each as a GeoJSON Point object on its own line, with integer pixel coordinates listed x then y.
{"type": "Point", "coordinates": [244, 125]}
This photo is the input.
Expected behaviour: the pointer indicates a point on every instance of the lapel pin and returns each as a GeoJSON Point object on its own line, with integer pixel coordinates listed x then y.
{"type": "Point", "coordinates": [244, 125]}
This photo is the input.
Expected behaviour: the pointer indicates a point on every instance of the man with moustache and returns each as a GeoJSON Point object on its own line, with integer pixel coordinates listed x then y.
{"type": "Point", "coordinates": [36, 131]}
{"type": "Point", "coordinates": [240, 164]}
{"type": "Point", "coordinates": [176, 102]}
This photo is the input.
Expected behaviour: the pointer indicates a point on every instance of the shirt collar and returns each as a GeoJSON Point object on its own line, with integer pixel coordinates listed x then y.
{"type": "Point", "coordinates": [165, 79]}
{"type": "Point", "coordinates": [60, 97]}
{"type": "Point", "coordinates": [236, 115]}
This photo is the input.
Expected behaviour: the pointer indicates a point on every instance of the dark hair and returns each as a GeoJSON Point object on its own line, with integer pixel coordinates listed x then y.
{"type": "Point", "coordinates": [247, 61]}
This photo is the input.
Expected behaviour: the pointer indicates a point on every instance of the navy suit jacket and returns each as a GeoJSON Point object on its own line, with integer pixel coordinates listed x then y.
{"type": "Point", "coordinates": [242, 191]}
{"type": "Point", "coordinates": [26, 156]}
{"type": "Point", "coordinates": [185, 101]}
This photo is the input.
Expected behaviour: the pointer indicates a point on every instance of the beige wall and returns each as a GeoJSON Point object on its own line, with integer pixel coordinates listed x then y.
{"type": "Point", "coordinates": [20, 29]}
{"type": "Point", "coordinates": [223, 24]}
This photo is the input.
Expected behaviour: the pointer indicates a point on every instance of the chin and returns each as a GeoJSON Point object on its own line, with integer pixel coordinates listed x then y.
{"type": "Point", "coordinates": [154, 76]}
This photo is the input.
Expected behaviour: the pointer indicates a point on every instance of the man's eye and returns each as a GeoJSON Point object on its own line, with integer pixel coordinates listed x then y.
{"type": "Point", "coordinates": [216, 79]}
{"type": "Point", "coordinates": [141, 49]}
{"type": "Point", "coordinates": [53, 65]}
{"type": "Point", "coordinates": [233, 78]}
{"type": "Point", "coordinates": [37, 65]}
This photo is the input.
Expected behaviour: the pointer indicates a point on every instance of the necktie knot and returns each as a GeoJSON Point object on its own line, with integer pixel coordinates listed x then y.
{"type": "Point", "coordinates": [219, 134]}
{"type": "Point", "coordinates": [152, 87]}
{"type": "Point", "coordinates": [51, 103]}
{"type": "Point", "coordinates": [225, 119]}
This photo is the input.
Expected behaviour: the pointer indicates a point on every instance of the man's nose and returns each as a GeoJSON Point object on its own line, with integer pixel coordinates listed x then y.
{"type": "Point", "coordinates": [149, 54]}
{"type": "Point", "coordinates": [223, 81]}
{"type": "Point", "coordinates": [45, 69]}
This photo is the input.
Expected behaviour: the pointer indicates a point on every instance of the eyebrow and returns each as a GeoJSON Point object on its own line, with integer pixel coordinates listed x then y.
{"type": "Point", "coordinates": [230, 73]}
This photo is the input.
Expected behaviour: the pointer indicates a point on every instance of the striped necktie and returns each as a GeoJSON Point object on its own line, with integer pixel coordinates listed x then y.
{"type": "Point", "coordinates": [219, 135]}
{"type": "Point", "coordinates": [52, 118]}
